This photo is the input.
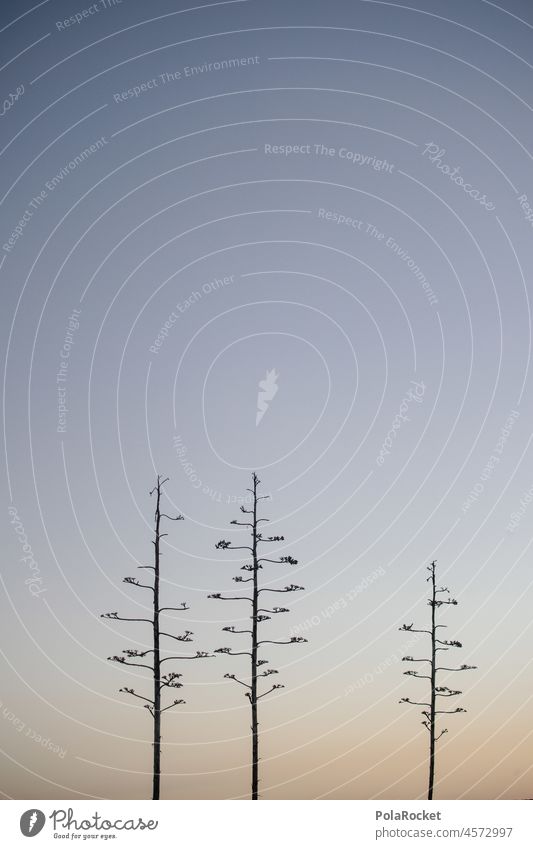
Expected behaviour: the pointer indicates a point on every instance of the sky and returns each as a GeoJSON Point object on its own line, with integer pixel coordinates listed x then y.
{"type": "Point", "coordinates": [321, 212]}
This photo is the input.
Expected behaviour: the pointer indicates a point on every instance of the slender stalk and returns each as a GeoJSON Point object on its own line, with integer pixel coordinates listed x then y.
{"type": "Point", "coordinates": [253, 694]}
{"type": "Point", "coordinates": [433, 698]}
{"type": "Point", "coordinates": [431, 708]}
{"type": "Point", "coordinates": [157, 658]}
{"type": "Point", "coordinates": [134, 657]}
{"type": "Point", "coordinates": [258, 614]}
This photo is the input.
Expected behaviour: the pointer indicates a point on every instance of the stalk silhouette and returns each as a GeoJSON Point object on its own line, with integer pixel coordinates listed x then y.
{"type": "Point", "coordinates": [169, 680]}
{"type": "Point", "coordinates": [432, 707]}
{"type": "Point", "coordinates": [258, 615]}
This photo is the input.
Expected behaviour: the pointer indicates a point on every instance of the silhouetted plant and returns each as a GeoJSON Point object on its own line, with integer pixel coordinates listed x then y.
{"type": "Point", "coordinates": [431, 708]}
{"type": "Point", "coordinates": [258, 615]}
{"type": "Point", "coordinates": [130, 657]}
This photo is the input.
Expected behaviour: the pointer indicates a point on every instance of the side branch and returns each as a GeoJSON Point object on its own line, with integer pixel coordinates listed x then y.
{"type": "Point", "coordinates": [174, 703]}
{"type": "Point", "coordinates": [226, 650]}
{"type": "Point", "coordinates": [123, 660]}
{"type": "Point", "coordinates": [414, 630]}
{"type": "Point", "coordinates": [229, 597]}
{"type": "Point", "coordinates": [183, 638]}
{"type": "Point", "coordinates": [124, 618]}
{"type": "Point", "coordinates": [238, 680]}
{"type": "Point", "coordinates": [283, 642]}
{"type": "Point", "coordinates": [187, 656]}
{"type": "Point", "coordinates": [134, 582]}
{"type": "Point", "coordinates": [225, 545]}
{"type": "Point", "coordinates": [274, 687]}
{"type": "Point", "coordinates": [409, 702]}
{"type": "Point", "coordinates": [133, 693]}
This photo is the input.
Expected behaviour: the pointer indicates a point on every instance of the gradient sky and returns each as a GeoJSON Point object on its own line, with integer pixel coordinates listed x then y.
{"type": "Point", "coordinates": [185, 194]}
